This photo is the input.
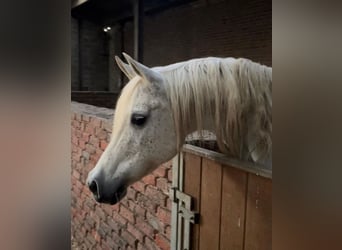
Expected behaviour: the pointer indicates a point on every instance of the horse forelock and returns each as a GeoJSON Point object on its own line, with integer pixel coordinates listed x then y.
{"type": "Point", "coordinates": [124, 105]}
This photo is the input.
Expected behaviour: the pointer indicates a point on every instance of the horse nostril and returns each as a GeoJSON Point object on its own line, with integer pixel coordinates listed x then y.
{"type": "Point", "coordinates": [93, 187]}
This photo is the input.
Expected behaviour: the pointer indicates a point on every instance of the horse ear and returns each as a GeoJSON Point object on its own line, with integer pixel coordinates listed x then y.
{"type": "Point", "coordinates": [145, 72]}
{"type": "Point", "coordinates": [125, 68]}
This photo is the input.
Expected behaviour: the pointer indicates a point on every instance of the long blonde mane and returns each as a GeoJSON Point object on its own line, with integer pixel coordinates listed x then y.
{"type": "Point", "coordinates": [235, 93]}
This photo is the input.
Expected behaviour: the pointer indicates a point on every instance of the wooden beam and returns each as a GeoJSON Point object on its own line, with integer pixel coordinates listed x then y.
{"type": "Point", "coordinates": [249, 167]}
{"type": "Point", "coordinates": [138, 10]}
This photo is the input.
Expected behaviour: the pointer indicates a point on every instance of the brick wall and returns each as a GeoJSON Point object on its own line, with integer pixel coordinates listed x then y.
{"type": "Point", "coordinates": [223, 28]}
{"type": "Point", "coordinates": [89, 61]}
{"type": "Point", "coordinates": [74, 55]}
{"type": "Point", "coordinates": [141, 220]}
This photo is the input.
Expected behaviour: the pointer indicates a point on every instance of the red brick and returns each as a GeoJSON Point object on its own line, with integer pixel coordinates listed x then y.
{"type": "Point", "coordinates": [108, 137]}
{"type": "Point", "coordinates": [168, 203]}
{"type": "Point", "coordinates": [140, 246]}
{"type": "Point", "coordinates": [168, 164]}
{"type": "Point", "coordinates": [150, 244]}
{"type": "Point", "coordinates": [84, 177]}
{"type": "Point", "coordinates": [168, 232]}
{"type": "Point", "coordinates": [125, 203]}
{"type": "Point", "coordinates": [164, 215]}
{"type": "Point", "coordinates": [114, 225]}
{"type": "Point", "coordinates": [77, 191]}
{"type": "Point", "coordinates": [74, 140]}
{"type": "Point", "coordinates": [79, 184]}
{"type": "Point", "coordinates": [131, 248]}
{"type": "Point", "coordinates": [96, 122]}
{"type": "Point", "coordinates": [85, 118]}
{"type": "Point", "coordinates": [85, 155]}
{"type": "Point", "coordinates": [90, 149]}
{"type": "Point", "coordinates": [106, 228]}
{"type": "Point", "coordinates": [86, 191]}
{"type": "Point", "coordinates": [107, 209]}
{"type": "Point", "coordinates": [90, 221]}
{"type": "Point", "coordinates": [131, 204]}
{"type": "Point", "coordinates": [160, 171]}
{"type": "Point", "coordinates": [140, 211]}
{"type": "Point", "coordinates": [149, 179]}
{"type": "Point", "coordinates": [85, 136]}
{"type": "Point", "coordinates": [81, 144]}
{"type": "Point", "coordinates": [143, 226]}
{"type": "Point", "coordinates": [107, 126]}
{"type": "Point", "coordinates": [101, 133]}
{"type": "Point", "coordinates": [126, 213]}
{"type": "Point", "coordinates": [103, 144]}
{"type": "Point", "coordinates": [131, 193]}
{"type": "Point", "coordinates": [76, 157]}
{"type": "Point", "coordinates": [139, 186]}
{"type": "Point", "coordinates": [101, 231]}
{"type": "Point", "coordinates": [146, 203]}
{"type": "Point", "coordinates": [119, 241]}
{"type": "Point", "coordinates": [90, 203]}
{"type": "Point", "coordinates": [135, 232]}
{"type": "Point", "coordinates": [151, 191]}
{"type": "Point", "coordinates": [78, 133]}
{"type": "Point", "coordinates": [96, 236]}
{"type": "Point", "coordinates": [169, 175]}
{"type": "Point", "coordinates": [75, 124]}
{"type": "Point", "coordinates": [78, 117]}
{"type": "Point", "coordinates": [100, 213]}
{"type": "Point", "coordinates": [116, 208]}
{"type": "Point", "coordinates": [83, 125]}
{"type": "Point", "coordinates": [91, 242]}
{"type": "Point", "coordinates": [162, 242]}
{"type": "Point", "coordinates": [94, 141]}
{"type": "Point", "coordinates": [76, 174]}
{"type": "Point", "coordinates": [118, 218]}
{"type": "Point", "coordinates": [163, 184]}
{"type": "Point", "coordinates": [94, 159]}
{"type": "Point", "coordinates": [110, 243]}
{"type": "Point", "coordinates": [156, 195]}
{"type": "Point", "coordinates": [89, 129]}
{"type": "Point", "coordinates": [155, 222]}
{"type": "Point", "coordinates": [130, 239]}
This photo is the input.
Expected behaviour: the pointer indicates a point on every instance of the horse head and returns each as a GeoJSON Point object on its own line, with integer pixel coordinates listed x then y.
{"type": "Point", "coordinates": [143, 135]}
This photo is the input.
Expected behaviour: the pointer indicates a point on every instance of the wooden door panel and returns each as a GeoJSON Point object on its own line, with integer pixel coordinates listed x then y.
{"type": "Point", "coordinates": [259, 214]}
{"type": "Point", "coordinates": [234, 185]}
{"type": "Point", "coordinates": [210, 205]}
{"type": "Point", "coordinates": [192, 187]}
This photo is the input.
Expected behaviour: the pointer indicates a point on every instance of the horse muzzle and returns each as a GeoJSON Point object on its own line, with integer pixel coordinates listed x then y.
{"type": "Point", "coordinates": [102, 195]}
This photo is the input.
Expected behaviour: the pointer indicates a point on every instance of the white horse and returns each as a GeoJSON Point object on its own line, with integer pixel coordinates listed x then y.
{"type": "Point", "coordinates": [160, 106]}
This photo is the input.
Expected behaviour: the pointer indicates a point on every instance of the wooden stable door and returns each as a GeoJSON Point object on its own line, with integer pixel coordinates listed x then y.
{"type": "Point", "coordinates": [229, 203]}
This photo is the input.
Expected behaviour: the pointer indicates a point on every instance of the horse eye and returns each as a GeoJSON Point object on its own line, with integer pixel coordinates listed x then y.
{"type": "Point", "coordinates": [138, 120]}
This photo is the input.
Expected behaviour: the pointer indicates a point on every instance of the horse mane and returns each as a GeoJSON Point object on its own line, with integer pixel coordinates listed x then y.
{"type": "Point", "coordinates": [235, 93]}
